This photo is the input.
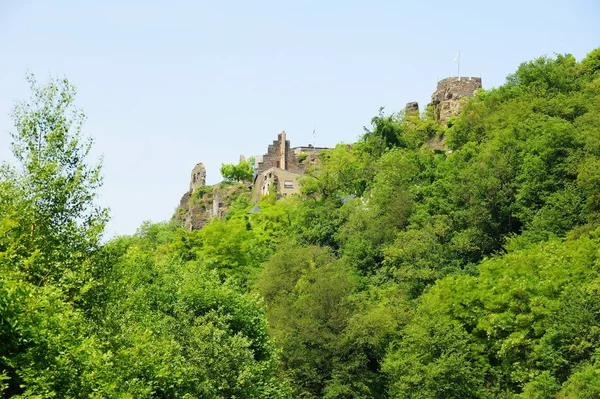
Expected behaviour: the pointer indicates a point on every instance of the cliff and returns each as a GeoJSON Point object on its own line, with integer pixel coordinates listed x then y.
{"type": "Point", "coordinates": [202, 203]}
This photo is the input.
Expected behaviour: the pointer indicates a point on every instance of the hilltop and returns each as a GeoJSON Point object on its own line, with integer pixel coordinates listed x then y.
{"type": "Point", "coordinates": [282, 167]}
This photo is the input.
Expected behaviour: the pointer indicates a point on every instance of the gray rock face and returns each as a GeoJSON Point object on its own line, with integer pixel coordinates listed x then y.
{"type": "Point", "coordinates": [412, 108]}
{"type": "Point", "coordinates": [198, 178]}
{"type": "Point", "coordinates": [446, 99]}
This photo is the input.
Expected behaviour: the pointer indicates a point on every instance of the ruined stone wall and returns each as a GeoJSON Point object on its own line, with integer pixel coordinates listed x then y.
{"type": "Point", "coordinates": [198, 178]}
{"type": "Point", "coordinates": [193, 212]}
{"type": "Point", "coordinates": [446, 99]}
{"type": "Point", "coordinates": [294, 164]}
{"type": "Point", "coordinates": [273, 156]}
{"type": "Point", "coordinates": [412, 108]}
{"type": "Point", "coordinates": [192, 217]}
{"type": "Point", "coordinates": [309, 149]}
{"type": "Point", "coordinates": [198, 208]}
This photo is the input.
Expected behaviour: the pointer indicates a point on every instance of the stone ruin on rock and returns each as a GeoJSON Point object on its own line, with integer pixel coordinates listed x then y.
{"type": "Point", "coordinates": [279, 169]}
{"type": "Point", "coordinates": [411, 108]}
{"type": "Point", "coordinates": [201, 203]}
{"type": "Point", "coordinates": [192, 217]}
{"type": "Point", "coordinates": [281, 166]}
{"type": "Point", "coordinates": [446, 100]}
{"type": "Point", "coordinates": [198, 178]}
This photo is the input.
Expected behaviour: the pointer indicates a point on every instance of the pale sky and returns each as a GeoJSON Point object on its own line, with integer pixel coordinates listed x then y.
{"type": "Point", "coordinates": [168, 84]}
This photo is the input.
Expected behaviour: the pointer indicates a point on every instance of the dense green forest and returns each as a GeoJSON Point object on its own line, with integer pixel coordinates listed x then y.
{"type": "Point", "coordinates": [469, 272]}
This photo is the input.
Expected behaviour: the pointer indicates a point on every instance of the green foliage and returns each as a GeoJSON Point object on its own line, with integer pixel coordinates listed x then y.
{"type": "Point", "coordinates": [590, 65]}
{"type": "Point", "coordinates": [49, 232]}
{"type": "Point", "coordinates": [302, 157]}
{"type": "Point", "coordinates": [332, 338]}
{"type": "Point", "coordinates": [361, 237]}
{"type": "Point", "coordinates": [423, 261]}
{"type": "Point", "coordinates": [523, 325]}
{"type": "Point", "coordinates": [397, 131]}
{"type": "Point", "coordinates": [45, 347]}
{"type": "Point", "coordinates": [242, 172]}
{"type": "Point", "coordinates": [341, 170]}
{"type": "Point", "coordinates": [50, 196]}
{"type": "Point", "coordinates": [158, 308]}
{"type": "Point", "coordinates": [522, 170]}
{"type": "Point", "coordinates": [546, 75]}
{"type": "Point", "coordinates": [201, 191]}
{"type": "Point", "coordinates": [139, 317]}
{"type": "Point", "coordinates": [583, 384]}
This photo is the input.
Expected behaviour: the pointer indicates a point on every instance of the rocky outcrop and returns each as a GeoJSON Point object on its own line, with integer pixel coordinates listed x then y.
{"type": "Point", "coordinates": [412, 108]}
{"type": "Point", "coordinates": [202, 203]}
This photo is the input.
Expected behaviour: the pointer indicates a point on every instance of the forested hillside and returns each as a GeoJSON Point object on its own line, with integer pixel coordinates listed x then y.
{"type": "Point", "coordinates": [467, 272]}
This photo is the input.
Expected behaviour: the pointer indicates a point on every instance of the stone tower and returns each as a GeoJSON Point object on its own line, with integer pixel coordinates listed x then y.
{"type": "Point", "coordinates": [198, 178]}
{"type": "Point", "coordinates": [446, 99]}
{"type": "Point", "coordinates": [412, 108]}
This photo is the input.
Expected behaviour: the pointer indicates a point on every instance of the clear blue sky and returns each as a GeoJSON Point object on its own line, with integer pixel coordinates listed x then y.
{"type": "Point", "coordinates": [168, 84]}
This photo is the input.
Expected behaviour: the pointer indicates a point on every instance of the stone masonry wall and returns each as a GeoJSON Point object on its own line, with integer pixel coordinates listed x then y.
{"type": "Point", "coordinates": [272, 156]}
{"type": "Point", "coordinates": [446, 99]}
{"type": "Point", "coordinates": [272, 159]}
{"type": "Point", "coordinates": [198, 177]}
{"type": "Point", "coordinates": [412, 108]}
{"type": "Point", "coordinates": [293, 164]}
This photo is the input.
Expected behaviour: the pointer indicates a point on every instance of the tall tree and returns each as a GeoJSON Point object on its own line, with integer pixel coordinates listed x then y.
{"type": "Point", "coordinates": [55, 183]}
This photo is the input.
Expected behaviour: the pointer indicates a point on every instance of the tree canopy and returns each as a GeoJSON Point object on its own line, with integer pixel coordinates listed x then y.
{"type": "Point", "coordinates": [242, 172]}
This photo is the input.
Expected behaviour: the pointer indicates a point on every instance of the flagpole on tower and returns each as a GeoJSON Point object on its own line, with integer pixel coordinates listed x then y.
{"type": "Point", "coordinates": [457, 60]}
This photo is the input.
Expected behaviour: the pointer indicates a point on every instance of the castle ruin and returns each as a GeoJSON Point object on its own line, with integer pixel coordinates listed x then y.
{"type": "Point", "coordinates": [198, 178]}
{"type": "Point", "coordinates": [411, 108]}
{"type": "Point", "coordinates": [446, 100]}
{"type": "Point", "coordinates": [281, 166]}
{"type": "Point", "coordinates": [278, 169]}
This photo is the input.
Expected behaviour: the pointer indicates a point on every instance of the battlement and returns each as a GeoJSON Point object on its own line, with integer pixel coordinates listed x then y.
{"type": "Point", "coordinates": [459, 80]}
{"type": "Point", "coordinates": [456, 87]}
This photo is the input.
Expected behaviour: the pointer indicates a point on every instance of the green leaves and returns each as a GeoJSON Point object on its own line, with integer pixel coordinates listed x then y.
{"type": "Point", "coordinates": [127, 319]}
{"type": "Point", "coordinates": [54, 185]}
{"type": "Point", "coordinates": [242, 172]}
{"type": "Point", "coordinates": [524, 314]}
{"type": "Point", "coordinates": [158, 307]}
{"type": "Point", "coordinates": [546, 75]}
{"type": "Point", "coordinates": [341, 171]}
{"type": "Point", "coordinates": [45, 347]}
{"type": "Point", "coordinates": [332, 337]}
